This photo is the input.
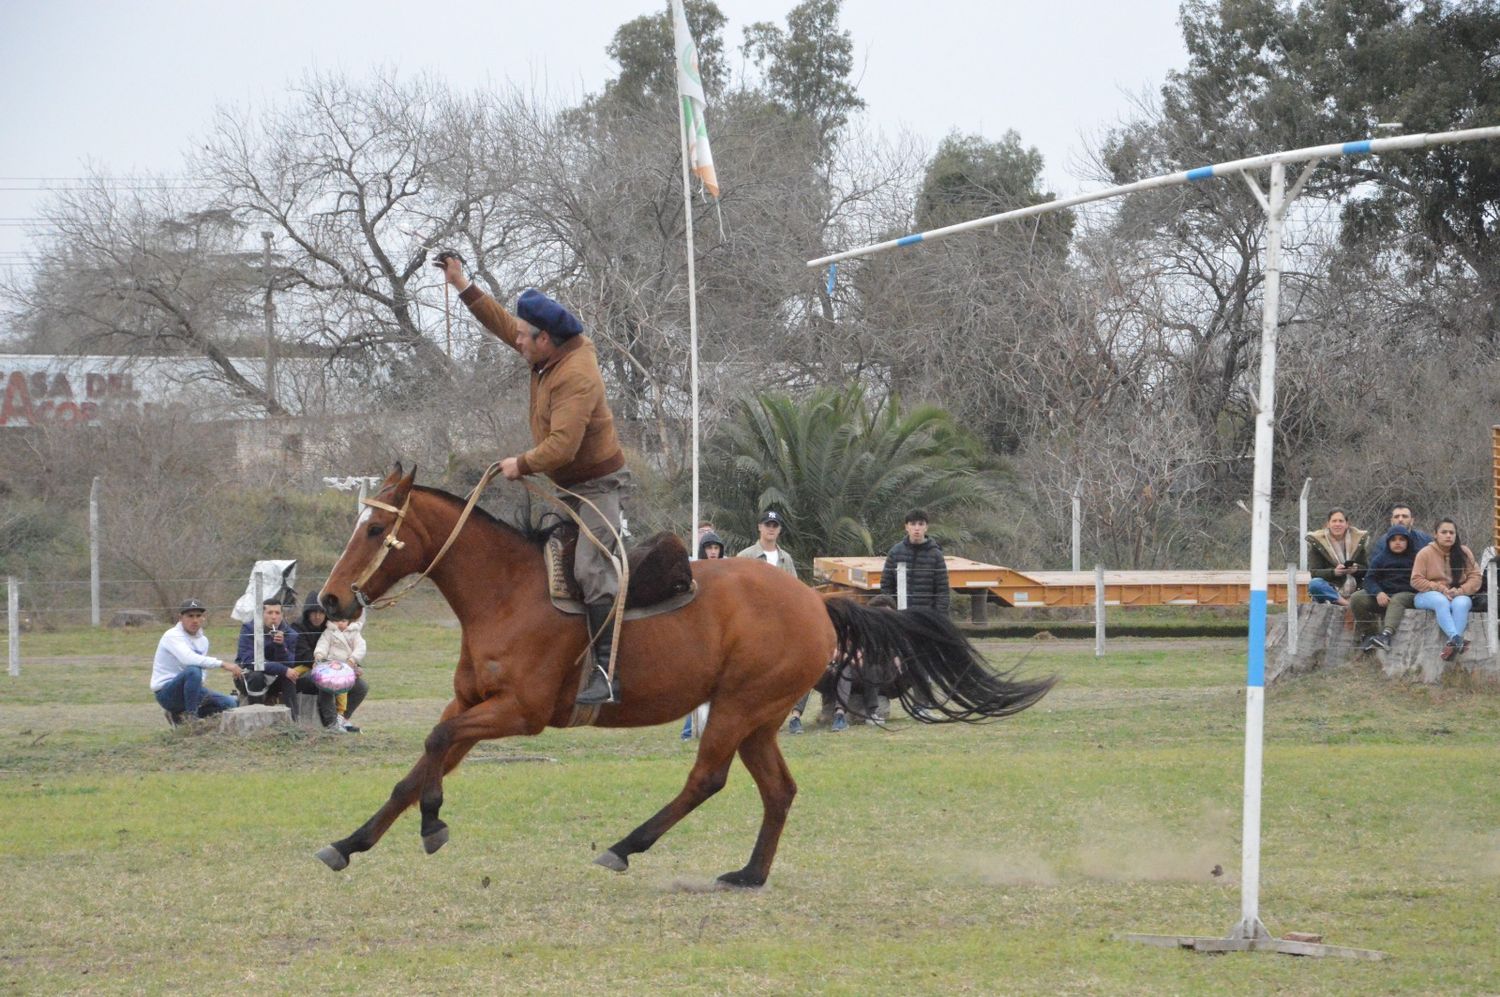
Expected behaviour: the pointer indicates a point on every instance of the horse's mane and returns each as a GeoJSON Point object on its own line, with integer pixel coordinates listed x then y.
{"type": "Point", "coordinates": [536, 536]}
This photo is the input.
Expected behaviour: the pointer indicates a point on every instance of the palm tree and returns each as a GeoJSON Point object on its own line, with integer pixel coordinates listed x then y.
{"type": "Point", "coordinates": [842, 471]}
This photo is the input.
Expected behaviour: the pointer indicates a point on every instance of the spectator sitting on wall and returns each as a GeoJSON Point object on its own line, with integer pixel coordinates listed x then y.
{"type": "Point", "coordinates": [309, 631]}
{"type": "Point", "coordinates": [1336, 559]}
{"type": "Point", "coordinates": [279, 643]}
{"type": "Point", "coordinates": [1401, 516]}
{"type": "Point", "coordinates": [1446, 576]}
{"type": "Point", "coordinates": [344, 641]}
{"type": "Point", "coordinates": [177, 670]}
{"type": "Point", "coordinates": [1387, 590]}
{"type": "Point", "coordinates": [926, 568]}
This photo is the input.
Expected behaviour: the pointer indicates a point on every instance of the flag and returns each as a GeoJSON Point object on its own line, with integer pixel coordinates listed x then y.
{"type": "Point", "coordinates": [690, 91]}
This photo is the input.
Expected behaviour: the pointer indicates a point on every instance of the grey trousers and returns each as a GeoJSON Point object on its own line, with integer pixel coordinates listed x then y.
{"type": "Point", "coordinates": [596, 576]}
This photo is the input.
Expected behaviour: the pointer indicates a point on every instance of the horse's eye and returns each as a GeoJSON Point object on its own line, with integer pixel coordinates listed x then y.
{"type": "Point", "coordinates": [374, 530]}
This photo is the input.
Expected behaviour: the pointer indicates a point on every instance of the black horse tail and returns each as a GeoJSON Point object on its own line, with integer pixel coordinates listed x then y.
{"type": "Point", "coordinates": [939, 674]}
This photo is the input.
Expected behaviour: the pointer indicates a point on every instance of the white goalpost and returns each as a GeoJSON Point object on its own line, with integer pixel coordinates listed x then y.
{"type": "Point", "coordinates": [1249, 933]}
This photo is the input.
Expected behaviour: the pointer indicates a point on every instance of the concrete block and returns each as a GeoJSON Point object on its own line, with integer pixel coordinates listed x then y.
{"type": "Point", "coordinates": [244, 719]}
{"type": "Point", "coordinates": [307, 712]}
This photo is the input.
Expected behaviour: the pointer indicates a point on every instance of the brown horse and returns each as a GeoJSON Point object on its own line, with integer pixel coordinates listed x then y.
{"type": "Point", "coordinates": [752, 642]}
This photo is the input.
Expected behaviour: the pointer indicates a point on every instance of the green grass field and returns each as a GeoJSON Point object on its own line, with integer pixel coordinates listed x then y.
{"type": "Point", "coordinates": [996, 859]}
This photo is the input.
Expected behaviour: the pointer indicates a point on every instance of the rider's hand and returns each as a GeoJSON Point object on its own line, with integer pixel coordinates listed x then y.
{"type": "Point", "coordinates": [511, 468]}
{"type": "Point", "coordinates": [453, 272]}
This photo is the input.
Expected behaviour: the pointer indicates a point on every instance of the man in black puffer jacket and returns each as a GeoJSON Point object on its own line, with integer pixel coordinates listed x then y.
{"type": "Point", "coordinates": [926, 570]}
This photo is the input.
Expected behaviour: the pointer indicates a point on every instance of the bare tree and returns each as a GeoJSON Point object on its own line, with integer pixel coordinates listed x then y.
{"type": "Point", "coordinates": [358, 182]}
{"type": "Point", "coordinates": [144, 269]}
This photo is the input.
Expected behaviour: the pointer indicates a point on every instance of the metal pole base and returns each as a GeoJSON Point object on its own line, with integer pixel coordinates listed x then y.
{"type": "Point", "coordinates": [1261, 943]}
{"type": "Point", "coordinates": [1250, 928]}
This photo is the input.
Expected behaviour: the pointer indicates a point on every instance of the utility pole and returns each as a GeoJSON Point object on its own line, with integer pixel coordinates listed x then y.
{"type": "Point", "coordinates": [270, 330]}
{"type": "Point", "coordinates": [94, 552]}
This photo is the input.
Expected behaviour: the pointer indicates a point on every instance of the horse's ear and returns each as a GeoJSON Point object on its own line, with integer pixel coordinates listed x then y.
{"type": "Point", "coordinates": [395, 474]}
{"type": "Point", "coordinates": [403, 486]}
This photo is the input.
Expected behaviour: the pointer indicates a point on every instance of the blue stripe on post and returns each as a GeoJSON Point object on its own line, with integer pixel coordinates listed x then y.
{"type": "Point", "coordinates": [1354, 148]}
{"type": "Point", "coordinates": [907, 240]}
{"type": "Point", "coordinates": [1201, 173]}
{"type": "Point", "coordinates": [1256, 677]}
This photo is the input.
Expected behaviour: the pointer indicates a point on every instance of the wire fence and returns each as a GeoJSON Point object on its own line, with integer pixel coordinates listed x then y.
{"type": "Point", "coordinates": [52, 604]}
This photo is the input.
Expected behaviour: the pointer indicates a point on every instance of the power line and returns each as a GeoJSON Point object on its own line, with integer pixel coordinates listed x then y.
{"type": "Point", "coordinates": [81, 179]}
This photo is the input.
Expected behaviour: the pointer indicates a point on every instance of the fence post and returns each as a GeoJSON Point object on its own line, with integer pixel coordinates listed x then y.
{"type": "Point", "coordinates": [94, 552]}
{"type": "Point", "coordinates": [360, 505]}
{"type": "Point", "coordinates": [1098, 610]}
{"type": "Point", "coordinates": [901, 586]}
{"type": "Point", "coordinates": [13, 614]}
{"type": "Point", "coordinates": [1302, 526]}
{"type": "Point", "coordinates": [1078, 526]}
{"type": "Point", "coordinates": [259, 615]}
{"type": "Point", "coordinates": [1491, 612]}
{"type": "Point", "coordinates": [1291, 608]}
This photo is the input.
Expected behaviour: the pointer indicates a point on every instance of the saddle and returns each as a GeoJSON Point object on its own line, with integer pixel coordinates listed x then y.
{"type": "Point", "coordinates": [661, 576]}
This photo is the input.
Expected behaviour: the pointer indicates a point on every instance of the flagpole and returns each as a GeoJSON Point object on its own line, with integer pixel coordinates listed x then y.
{"type": "Point", "coordinates": [687, 207]}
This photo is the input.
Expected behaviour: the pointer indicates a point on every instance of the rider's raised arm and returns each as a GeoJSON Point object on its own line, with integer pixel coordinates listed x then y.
{"type": "Point", "coordinates": [498, 321]}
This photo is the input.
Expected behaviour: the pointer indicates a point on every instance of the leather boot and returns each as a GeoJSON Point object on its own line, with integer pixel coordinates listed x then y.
{"type": "Point", "coordinates": [599, 689]}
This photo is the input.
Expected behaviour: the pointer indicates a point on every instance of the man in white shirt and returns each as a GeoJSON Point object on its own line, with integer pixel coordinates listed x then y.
{"type": "Point", "coordinates": [177, 671]}
{"type": "Point", "coordinates": [768, 548]}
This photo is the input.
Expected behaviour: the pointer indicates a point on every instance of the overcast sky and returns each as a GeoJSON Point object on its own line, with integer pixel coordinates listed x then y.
{"type": "Point", "coordinates": [127, 86]}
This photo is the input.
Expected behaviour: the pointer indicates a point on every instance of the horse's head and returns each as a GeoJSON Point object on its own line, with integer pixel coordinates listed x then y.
{"type": "Point", "coordinates": [378, 554]}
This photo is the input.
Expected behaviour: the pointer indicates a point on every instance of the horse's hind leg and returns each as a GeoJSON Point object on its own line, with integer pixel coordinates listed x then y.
{"type": "Point", "coordinates": [458, 731]}
{"type": "Point", "coordinates": [762, 757]}
{"type": "Point", "coordinates": [709, 774]}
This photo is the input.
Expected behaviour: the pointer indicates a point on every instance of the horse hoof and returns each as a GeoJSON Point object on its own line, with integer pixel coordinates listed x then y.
{"type": "Point", "coordinates": [333, 858]}
{"type": "Point", "coordinates": [739, 881]}
{"type": "Point", "coordinates": [611, 861]}
{"type": "Point", "coordinates": [437, 839]}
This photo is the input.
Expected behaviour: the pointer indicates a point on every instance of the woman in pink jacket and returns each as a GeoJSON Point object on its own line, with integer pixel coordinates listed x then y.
{"type": "Point", "coordinates": [1446, 576]}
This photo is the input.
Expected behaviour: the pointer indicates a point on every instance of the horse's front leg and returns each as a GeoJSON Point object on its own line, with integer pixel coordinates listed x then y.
{"type": "Point", "coordinates": [500, 716]}
{"type": "Point", "coordinates": [459, 730]}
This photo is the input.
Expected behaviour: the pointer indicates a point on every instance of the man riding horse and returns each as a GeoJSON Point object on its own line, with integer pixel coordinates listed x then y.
{"type": "Point", "coordinates": [576, 446]}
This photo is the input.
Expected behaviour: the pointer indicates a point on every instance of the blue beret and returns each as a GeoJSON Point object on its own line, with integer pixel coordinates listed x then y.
{"type": "Point", "coordinates": [536, 309]}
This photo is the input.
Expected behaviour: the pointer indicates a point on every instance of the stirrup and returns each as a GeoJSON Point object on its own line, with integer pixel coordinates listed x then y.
{"type": "Point", "coordinates": [600, 690]}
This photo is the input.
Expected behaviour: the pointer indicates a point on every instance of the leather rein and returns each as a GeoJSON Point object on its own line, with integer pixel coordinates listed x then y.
{"type": "Point", "coordinates": [391, 542]}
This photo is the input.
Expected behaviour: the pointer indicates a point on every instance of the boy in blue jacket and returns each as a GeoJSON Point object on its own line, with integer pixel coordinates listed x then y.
{"type": "Point", "coordinates": [1388, 589]}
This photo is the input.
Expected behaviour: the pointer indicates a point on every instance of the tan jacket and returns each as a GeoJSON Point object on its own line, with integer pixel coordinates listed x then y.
{"type": "Point", "coordinates": [1430, 571]}
{"type": "Point", "coordinates": [571, 424]}
{"type": "Point", "coordinates": [784, 562]}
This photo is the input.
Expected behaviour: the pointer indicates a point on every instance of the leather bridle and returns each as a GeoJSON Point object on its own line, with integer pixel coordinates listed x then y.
{"type": "Point", "coordinates": [389, 544]}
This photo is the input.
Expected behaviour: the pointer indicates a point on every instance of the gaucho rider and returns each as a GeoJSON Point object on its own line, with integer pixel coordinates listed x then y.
{"type": "Point", "coordinates": [574, 432]}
